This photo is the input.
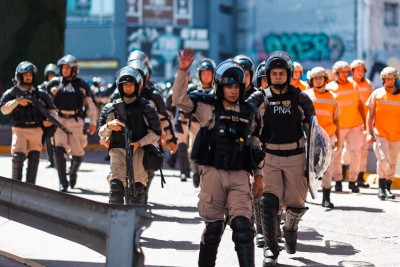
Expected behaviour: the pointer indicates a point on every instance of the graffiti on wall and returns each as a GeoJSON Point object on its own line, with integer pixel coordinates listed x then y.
{"type": "Point", "coordinates": [306, 46]}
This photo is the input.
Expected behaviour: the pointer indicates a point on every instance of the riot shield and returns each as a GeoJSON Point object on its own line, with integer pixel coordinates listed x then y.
{"type": "Point", "coordinates": [319, 155]}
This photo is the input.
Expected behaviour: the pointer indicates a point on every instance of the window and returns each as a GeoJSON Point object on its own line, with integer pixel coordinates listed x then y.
{"type": "Point", "coordinates": [391, 14]}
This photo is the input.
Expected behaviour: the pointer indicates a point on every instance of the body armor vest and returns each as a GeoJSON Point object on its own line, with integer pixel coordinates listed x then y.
{"type": "Point", "coordinates": [282, 119]}
{"type": "Point", "coordinates": [136, 123]}
{"type": "Point", "coordinates": [69, 96]}
{"type": "Point", "coordinates": [28, 116]}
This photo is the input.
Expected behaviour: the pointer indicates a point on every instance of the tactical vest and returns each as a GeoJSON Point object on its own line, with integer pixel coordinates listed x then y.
{"type": "Point", "coordinates": [136, 123]}
{"type": "Point", "coordinates": [69, 96]}
{"type": "Point", "coordinates": [282, 119]}
{"type": "Point", "coordinates": [28, 116]}
{"type": "Point", "coordinates": [224, 146]}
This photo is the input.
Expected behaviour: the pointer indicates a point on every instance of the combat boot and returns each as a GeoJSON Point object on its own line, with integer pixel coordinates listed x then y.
{"type": "Point", "coordinates": [73, 170]}
{"type": "Point", "coordinates": [33, 164]}
{"type": "Point", "coordinates": [326, 199]}
{"type": "Point", "coordinates": [354, 188]}
{"type": "Point", "coordinates": [338, 186]}
{"type": "Point", "coordinates": [116, 194]}
{"type": "Point", "coordinates": [360, 181]}
{"type": "Point", "coordinates": [140, 194]}
{"type": "Point", "coordinates": [17, 165]}
{"type": "Point", "coordinates": [242, 236]}
{"type": "Point", "coordinates": [183, 158]}
{"type": "Point", "coordinates": [388, 188]}
{"type": "Point", "coordinates": [293, 217]}
{"type": "Point", "coordinates": [382, 189]}
{"type": "Point", "coordinates": [345, 168]}
{"type": "Point", "coordinates": [61, 165]}
{"type": "Point", "coordinates": [257, 219]}
{"type": "Point", "coordinates": [210, 243]}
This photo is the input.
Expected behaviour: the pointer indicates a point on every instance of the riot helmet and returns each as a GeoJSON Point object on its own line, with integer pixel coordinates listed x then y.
{"type": "Point", "coordinates": [72, 62]}
{"type": "Point", "coordinates": [229, 72]}
{"type": "Point", "coordinates": [50, 69]}
{"type": "Point", "coordinates": [24, 67]}
{"type": "Point", "coordinates": [317, 72]}
{"type": "Point", "coordinates": [358, 63]}
{"type": "Point", "coordinates": [279, 60]}
{"type": "Point", "coordinates": [389, 72]}
{"type": "Point", "coordinates": [246, 63]}
{"type": "Point", "coordinates": [260, 73]}
{"type": "Point", "coordinates": [128, 74]}
{"type": "Point", "coordinates": [297, 65]}
{"type": "Point", "coordinates": [340, 66]}
{"type": "Point", "coordinates": [138, 55]}
{"type": "Point", "coordinates": [142, 67]}
{"type": "Point", "coordinates": [205, 64]}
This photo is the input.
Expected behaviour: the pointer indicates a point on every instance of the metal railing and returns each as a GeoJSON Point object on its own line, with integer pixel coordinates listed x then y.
{"type": "Point", "coordinates": [111, 230]}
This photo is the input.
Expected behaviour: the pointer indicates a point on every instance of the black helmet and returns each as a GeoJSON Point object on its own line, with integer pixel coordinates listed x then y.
{"type": "Point", "coordinates": [260, 72]}
{"type": "Point", "coordinates": [72, 62]}
{"type": "Point", "coordinates": [128, 74]}
{"type": "Point", "coordinates": [206, 64]}
{"type": "Point", "coordinates": [279, 59]}
{"type": "Point", "coordinates": [24, 67]}
{"type": "Point", "coordinates": [50, 69]}
{"type": "Point", "coordinates": [246, 63]}
{"type": "Point", "coordinates": [229, 72]}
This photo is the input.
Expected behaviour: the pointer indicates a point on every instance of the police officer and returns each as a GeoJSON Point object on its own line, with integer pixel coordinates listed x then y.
{"type": "Point", "coordinates": [383, 129]}
{"type": "Point", "coordinates": [73, 99]}
{"type": "Point", "coordinates": [296, 80]}
{"type": "Point", "coordinates": [261, 79]}
{"type": "Point", "coordinates": [328, 111]}
{"type": "Point", "coordinates": [285, 111]}
{"type": "Point", "coordinates": [28, 122]}
{"type": "Point", "coordinates": [224, 145]}
{"type": "Point", "coordinates": [205, 70]}
{"type": "Point", "coordinates": [144, 123]}
{"type": "Point", "coordinates": [50, 71]}
{"type": "Point", "coordinates": [248, 65]}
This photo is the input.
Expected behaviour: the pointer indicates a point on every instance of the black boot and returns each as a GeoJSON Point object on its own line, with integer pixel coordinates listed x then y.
{"type": "Point", "coordinates": [210, 243]}
{"type": "Point", "coordinates": [293, 216]}
{"type": "Point", "coordinates": [242, 236]}
{"type": "Point", "coordinates": [326, 199]}
{"type": "Point", "coordinates": [388, 188]}
{"type": "Point", "coordinates": [171, 161]}
{"type": "Point", "coordinates": [73, 170]}
{"type": "Point", "coordinates": [269, 205]}
{"type": "Point", "coordinates": [360, 181]}
{"type": "Point", "coordinates": [338, 186]}
{"type": "Point", "coordinates": [196, 173]}
{"type": "Point", "coordinates": [382, 189]}
{"type": "Point", "coordinates": [140, 194]}
{"type": "Point", "coordinates": [183, 158]}
{"type": "Point", "coordinates": [345, 168]}
{"type": "Point", "coordinates": [17, 165]}
{"type": "Point", "coordinates": [33, 164]}
{"type": "Point", "coordinates": [50, 153]}
{"type": "Point", "coordinates": [117, 192]}
{"type": "Point", "coordinates": [61, 165]}
{"type": "Point", "coordinates": [354, 188]}
{"type": "Point", "coordinates": [257, 219]}
{"type": "Point", "coordinates": [149, 180]}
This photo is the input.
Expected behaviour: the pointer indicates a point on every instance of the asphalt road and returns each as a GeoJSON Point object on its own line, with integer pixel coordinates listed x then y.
{"type": "Point", "coordinates": [360, 231]}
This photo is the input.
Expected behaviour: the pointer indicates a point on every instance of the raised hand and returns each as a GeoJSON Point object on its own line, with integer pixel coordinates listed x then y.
{"type": "Point", "coordinates": [185, 59]}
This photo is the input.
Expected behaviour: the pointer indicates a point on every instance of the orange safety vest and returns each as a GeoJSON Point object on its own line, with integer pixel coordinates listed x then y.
{"type": "Point", "coordinates": [326, 108]}
{"type": "Point", "coordinates": [301, 84]}
{"type": "Point", "coordinates": [365, 89]}
{"type": "Point", "coordinates": [347, 96]}
{"type": "Point", "coordinates": [387, 114]}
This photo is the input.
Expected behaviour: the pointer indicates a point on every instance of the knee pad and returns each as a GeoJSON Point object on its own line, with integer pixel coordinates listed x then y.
{"type": "Point", "coordinates": [269, 204]}
{"type": "Point", "coordinates": [116, 195]}
{"type": "Point", "coordinates": [213, 232]}
{"type": "Point", "coordinates": [18, 157]}
{"type": "Point", "coordinates": [243, 230]}
{"type": "Point", "coordinates": [59, 152]}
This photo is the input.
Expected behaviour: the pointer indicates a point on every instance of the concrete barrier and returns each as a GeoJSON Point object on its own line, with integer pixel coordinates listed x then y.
{"type": "Point", "coordinates": [111, 230]}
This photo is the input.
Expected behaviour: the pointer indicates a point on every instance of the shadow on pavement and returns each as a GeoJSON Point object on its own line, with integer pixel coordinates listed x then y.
{"type": "Point", "coordinates": [168, 244]}
{"type": "Point", "coordinates": [79, 191]}
{"type": "Point", "coordinates": [366, 209]}
{"type": "Point", "coordinates": [53, 263]}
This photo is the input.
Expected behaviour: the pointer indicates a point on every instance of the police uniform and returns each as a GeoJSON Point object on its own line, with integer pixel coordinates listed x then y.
{"type": "Point", "coordinates": [73, 100]}
{"type": "Point", "coordinates": [145, 125]}
{"type": "Point", "coordinates": [27, 130]}
{"type": "Point", "coordinates": [284, 115]}
{"type": "Point", "coordinates": [382, 118]}
{"type": "Point", "coordinates": [225, 171]}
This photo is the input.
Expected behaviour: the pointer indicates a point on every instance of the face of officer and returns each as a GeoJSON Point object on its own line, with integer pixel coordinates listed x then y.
{"type": "Point", "coordinates": [27, 79]}
{"type": "Point", "coordinates": [342, 76]}
{"type": "Point", "coordinates": [319, 83]}
{"type": "Point", "coordinates": [264, 82]}
{"type": "Point", "coordinates": [358, 73]}
{"type": "Point", "coordinates": [128, 88]}
{"type": "Point", "coordinates": [297, 74]}
{"type": "Point", "coordinates": [248, 78]}
{"type": "Point", "coordinates": [231, 92]}
{"type": "Point", "coordinates": [206, 77]}
{"type": "Point", "coordinates": [390, 83]}
{"type": "Point", "coordinates": [66, 70]}
{"type": "Point", "coordinates": [278, 76]}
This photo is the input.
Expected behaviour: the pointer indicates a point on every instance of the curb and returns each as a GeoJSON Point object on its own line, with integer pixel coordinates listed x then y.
{"type": "Point", "coordinates": [23, 261]}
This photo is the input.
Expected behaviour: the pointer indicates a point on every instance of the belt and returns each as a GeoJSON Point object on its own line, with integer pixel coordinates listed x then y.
{"type": "Point", "coordinates": [67, 116]}
{"type": "Point", "coordinates": [286, 153]}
